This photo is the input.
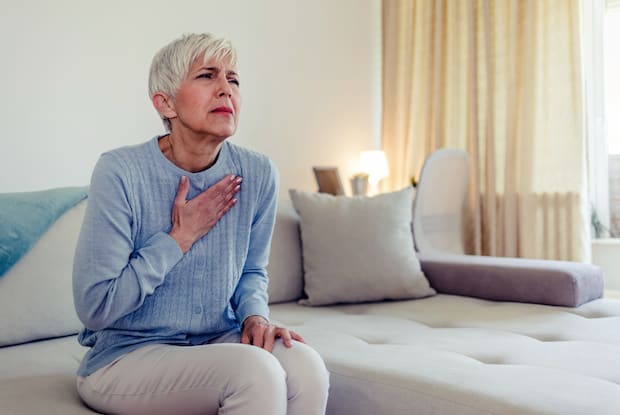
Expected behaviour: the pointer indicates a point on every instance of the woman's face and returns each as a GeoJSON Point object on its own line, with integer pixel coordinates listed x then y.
{"type": "Point", "coordinates": [208, 100]}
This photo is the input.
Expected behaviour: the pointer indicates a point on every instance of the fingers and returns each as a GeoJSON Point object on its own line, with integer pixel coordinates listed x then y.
{"type": "Point", "coordinates": [227, 185]}
{"type": "Point", "coordinates": [285, 335]}
{"type": "Point", "coordinates": [182, 192]}
{"type": "Point", "coordinates": [222, 192]}
{"type": "Point", "coordinates": [264, 336]}
{"type": "Point", "coordinates": [273, 333]}
{"type": "Point", "coordinates": [245, 338]}
{"type": "Point", "coordinates": [296, 336]}
{"type": "Point", "coordinates": [253, 331]}
{"type": "Point", "coordinates": [225, 204]}
{"type": "Point", "coordinates": [258, 338]}
{"type": "Point", "coordinates": [269, 338]}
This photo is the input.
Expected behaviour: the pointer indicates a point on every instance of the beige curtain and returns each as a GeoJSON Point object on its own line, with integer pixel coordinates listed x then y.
{"type": "Point", "coordinates": [500, 79]}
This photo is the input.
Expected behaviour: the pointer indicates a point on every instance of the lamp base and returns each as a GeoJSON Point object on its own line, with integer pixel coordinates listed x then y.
{"type": "Point", "coordinates": [359, 185]}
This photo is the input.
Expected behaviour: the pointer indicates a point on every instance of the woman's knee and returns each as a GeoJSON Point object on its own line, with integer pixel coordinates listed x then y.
{"type": "Point", "coordinates": [260, 383]}
{"type": "Point", "coordinates": [261, 369]}
{"type": "Point", "coordinates": [304, 367]}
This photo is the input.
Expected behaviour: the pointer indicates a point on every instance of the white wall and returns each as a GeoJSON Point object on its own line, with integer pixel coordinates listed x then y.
{"type": "Point", "coordinates": [605, 254]}
{"type": "Point", "coordinates": [74, 75]}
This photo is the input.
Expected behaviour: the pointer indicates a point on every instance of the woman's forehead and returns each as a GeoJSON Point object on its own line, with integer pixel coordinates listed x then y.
{"type": "Point", "coordinates": [221, 62]}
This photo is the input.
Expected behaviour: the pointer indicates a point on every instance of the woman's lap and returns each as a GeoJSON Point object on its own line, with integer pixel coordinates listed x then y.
{"type": "Point", "coordinates": [219, 378]}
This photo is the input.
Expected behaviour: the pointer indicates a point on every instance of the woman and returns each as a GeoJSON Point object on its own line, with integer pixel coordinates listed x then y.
{"type": "Point", "coordinates": [169, 277]}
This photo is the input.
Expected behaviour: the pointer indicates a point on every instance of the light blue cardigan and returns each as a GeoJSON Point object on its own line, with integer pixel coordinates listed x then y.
{"type": "Point", "coordinates": [132, 284]}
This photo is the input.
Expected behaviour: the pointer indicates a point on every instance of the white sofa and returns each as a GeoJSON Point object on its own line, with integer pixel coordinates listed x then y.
{"type": "Point", "coordinates": [444, 354]}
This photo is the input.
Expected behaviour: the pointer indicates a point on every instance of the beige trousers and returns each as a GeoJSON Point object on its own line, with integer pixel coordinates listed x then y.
{"type": "Point", "coordinates": [222, 378]}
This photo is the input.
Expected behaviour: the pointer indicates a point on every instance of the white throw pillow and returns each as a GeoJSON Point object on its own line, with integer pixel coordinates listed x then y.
{"type": "Point", "coordinates": [36, 297]}
{"type": "Point", "coordinates": [358, 248]}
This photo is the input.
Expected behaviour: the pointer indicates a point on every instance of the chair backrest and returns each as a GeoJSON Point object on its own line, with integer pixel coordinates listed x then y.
{"type": "Point", "coordinates": [439, 202]}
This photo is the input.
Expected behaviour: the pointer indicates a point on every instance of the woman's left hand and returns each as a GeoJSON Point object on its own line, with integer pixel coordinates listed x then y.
{"type": "Point", "coordinates": [259, 332]}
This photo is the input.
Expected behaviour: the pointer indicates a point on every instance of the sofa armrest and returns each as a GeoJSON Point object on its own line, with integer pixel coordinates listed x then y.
{"type": "Point", "coordinates": [559, 283]}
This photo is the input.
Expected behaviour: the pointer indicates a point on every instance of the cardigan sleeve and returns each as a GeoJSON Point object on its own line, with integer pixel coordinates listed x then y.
{"type": "Point", "coordinates": [111, 276]}
{"type": "Point", "coordinates": [250, 297]}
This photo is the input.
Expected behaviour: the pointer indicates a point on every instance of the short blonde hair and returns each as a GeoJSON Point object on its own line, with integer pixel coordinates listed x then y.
{"type": "Point", "coordinates": [171, 64]}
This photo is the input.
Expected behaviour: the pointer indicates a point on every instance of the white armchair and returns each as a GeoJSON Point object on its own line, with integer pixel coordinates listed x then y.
{"type": "Point", "coordinates": [439, 202]}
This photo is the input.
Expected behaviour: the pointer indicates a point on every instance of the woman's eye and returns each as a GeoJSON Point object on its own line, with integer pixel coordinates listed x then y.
{"type": "Point", "coordinates": [234, 81]}
{"type": "Point", "coordinates": [205, 75]}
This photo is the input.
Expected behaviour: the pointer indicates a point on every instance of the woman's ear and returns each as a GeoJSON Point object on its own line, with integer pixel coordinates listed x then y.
{"type": "Point", "coordinates": [164, 105]}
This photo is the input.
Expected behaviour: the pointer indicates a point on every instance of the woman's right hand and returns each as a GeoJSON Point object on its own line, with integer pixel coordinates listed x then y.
{"type": "Point", "coordinates": [192, 219]}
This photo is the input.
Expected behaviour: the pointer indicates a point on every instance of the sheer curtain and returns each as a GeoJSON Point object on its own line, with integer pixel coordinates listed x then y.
{"type": "Point", "coordinates": [592, 46]}
{"type": "Point", "coordinates": [502, 80]}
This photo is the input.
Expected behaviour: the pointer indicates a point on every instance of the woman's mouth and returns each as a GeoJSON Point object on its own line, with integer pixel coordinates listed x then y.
{"type": "Point", "coordinates": [222, 110]}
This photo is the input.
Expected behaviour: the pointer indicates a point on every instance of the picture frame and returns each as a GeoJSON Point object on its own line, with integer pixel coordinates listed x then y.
{"type": "Point", "coordinates": [328, 180]}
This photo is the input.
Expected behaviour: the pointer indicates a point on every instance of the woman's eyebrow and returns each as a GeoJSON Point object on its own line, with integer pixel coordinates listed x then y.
{"type": "Point", "coordinates": [217, 70]}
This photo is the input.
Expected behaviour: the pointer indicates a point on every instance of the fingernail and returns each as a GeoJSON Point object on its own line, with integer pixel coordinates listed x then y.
{"type": "Point", "coordinates": [234, 201]}
{"type": "Point", "coordinates": [232, 177]}
{"type": "Point", "coordinates": [237, 188]}
{"type": "Point", "coordinates": [239, 179]}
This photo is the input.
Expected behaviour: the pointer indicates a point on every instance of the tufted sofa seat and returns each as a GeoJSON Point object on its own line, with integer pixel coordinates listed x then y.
{"type": "Point", "coordinates": [457, 355]}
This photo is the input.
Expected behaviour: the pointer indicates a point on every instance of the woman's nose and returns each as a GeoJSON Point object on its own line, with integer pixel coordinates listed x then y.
{"type": "Point", "coordinates": [224, 88]}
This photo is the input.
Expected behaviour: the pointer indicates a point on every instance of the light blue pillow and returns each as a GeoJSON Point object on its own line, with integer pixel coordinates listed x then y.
{"type": "Point", "coordinates": [25, 216]}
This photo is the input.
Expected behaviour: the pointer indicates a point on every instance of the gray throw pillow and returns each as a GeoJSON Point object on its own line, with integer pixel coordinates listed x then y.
{"type": "Point", "coordinates": [358, 249]}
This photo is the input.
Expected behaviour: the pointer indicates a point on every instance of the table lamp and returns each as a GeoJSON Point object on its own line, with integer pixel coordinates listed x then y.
{"type": "Point", "coordinates": [374, 163]}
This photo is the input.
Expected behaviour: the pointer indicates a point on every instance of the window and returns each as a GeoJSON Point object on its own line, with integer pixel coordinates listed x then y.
{"type": "Point", "coordinates": [600, 37]}
{"type": "Point", "coordinates": [611, 59]}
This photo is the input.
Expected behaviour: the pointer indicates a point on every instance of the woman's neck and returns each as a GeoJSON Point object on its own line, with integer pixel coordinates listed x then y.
{"type": "Point", "coordinates": [189, 153]}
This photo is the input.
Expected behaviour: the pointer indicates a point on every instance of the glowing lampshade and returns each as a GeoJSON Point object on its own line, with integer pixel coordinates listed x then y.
{"type": "Point", "coordinates": [374, 163]}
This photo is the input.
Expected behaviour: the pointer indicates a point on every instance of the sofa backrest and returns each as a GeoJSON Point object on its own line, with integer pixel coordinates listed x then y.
{"type": "Point", "coordinates": [36, 298]}
{"type": "Point", "coordinates": [285, 260]}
